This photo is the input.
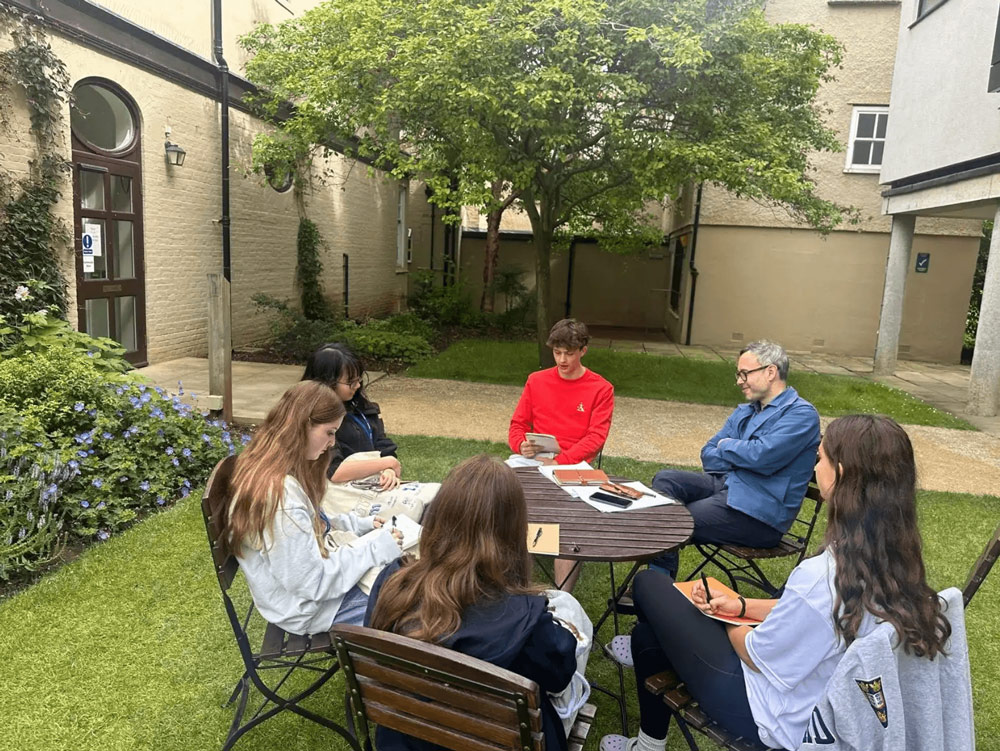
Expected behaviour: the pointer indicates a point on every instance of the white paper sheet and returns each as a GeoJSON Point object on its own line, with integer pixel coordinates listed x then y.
{"type": "Point", "coordinates": [583, 492]}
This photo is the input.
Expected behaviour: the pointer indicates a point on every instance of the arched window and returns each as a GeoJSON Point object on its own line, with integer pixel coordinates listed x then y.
{"type": "Point", "coordinates": [102, 119]}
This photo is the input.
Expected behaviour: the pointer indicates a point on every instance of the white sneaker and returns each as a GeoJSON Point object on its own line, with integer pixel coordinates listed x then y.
{"type": "Point", "coordinates": [619, 649]}
{"type": "Point", "coordinates": [618, 743]}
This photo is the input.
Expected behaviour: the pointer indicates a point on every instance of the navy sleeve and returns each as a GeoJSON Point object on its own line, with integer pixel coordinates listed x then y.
{"type": "Point", "coordinates": [388, 571]}
{"type": "Point", "coordinates": [548, 656]}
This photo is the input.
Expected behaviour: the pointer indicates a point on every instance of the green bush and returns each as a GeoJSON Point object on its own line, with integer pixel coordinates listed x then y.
{"type": "Point", "coordinates": [294, 336]}
{"type": "Point", "coordinates": [385, 347]}
{"type": "Point", "coordinates": [441, 305]}
{"type": "Point", "coordinates": [404, 323]}
{"type": "Point", "coordinates": [98, 448]}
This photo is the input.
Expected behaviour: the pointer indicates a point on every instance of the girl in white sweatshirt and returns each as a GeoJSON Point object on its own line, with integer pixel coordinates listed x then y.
{"type": "Point", "coordinates": [276, 527]}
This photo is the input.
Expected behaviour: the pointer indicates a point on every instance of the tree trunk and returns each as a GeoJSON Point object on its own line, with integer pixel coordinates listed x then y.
{"type": "Point", "coordinates": [542, 231]}
{"type": "Point", "coordinates": [543, 285]}
{"type": "Point", "coordinates": [488, 299]}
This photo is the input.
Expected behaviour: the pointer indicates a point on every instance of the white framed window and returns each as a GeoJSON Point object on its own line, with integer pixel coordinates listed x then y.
{"type": "Point", "coordinates": [401, 233]}
{"type": "Point", "coordinates": [867, 140]}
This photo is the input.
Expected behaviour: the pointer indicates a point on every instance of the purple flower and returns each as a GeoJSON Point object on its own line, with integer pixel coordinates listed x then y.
{"type": "Point", "coordinates": [90, 353]}
{"type": "Point", "coordinates": [134, 401]}
{"type": "Point", "coordinates": [85, 504]}
{"type": "Point", "coordinates": [103, 534]}
{"type": "Point", "coordinates": [226, 436]}
{"type": "Point", "coordinates": [144, 485]}
{"type": "Point", "coordinates": [185, 492]}
{"type": "Point", "coordinates": [157, 412]}
{"type": "Point", "coordinates": [159, 500]}
{"type": "Point", "coordinates": [78, 407]}
{"type": "Point", "coordinates": [92, 412]}
{"type": "Point", "coordinates": [186, 483]}
{"type": "Point", "coordinates": [145, 398]}
{"type": "Point", "coordinates": [80, 453]}
{"type": "Point", "coordinates": [100, 505]}
{"type": "Point", "coordinates": [206, 437]}
{"type": "Point", "coordinates": [73, 463]}
{"type": "Point", "coordinates": [106, 436]}
{"type": "Point", "coordinates": [170, 451]}
{"type": "Point", "coordinates": [175, 462]}
{"type": "Point", "coordinates": [97, 482]}
{"type": "Point", "coordinates": [186, 452]}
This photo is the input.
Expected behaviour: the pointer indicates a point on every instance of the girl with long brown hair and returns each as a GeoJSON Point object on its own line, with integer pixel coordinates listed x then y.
{"type": "Point", "coordinates": [471, 589]}
{"type": "Point", "coordinates": [764, 682]}
{"type": "Point", "coordinates": [277, 530]}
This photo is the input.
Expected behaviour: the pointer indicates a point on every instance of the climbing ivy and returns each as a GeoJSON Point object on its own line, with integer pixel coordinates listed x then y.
{"type": "Point", "coordinates": [308, 270]}
{"type": "Point", "coordinates": [30, 232]}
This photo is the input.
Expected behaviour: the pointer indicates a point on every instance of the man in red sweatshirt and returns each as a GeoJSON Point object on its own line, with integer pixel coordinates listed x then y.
{"type": "Point", "coordinates": [570, 402]}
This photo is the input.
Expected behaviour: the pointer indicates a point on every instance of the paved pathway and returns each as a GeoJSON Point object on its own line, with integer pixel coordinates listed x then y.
{"type": "Point", "coordinates": [668, 432]}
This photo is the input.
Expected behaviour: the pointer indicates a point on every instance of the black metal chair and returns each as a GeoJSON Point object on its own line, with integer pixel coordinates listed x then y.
{"type": "Point", "coordinates": [739, 562]}
{"type": "Point", "coordinates": [280, 652]}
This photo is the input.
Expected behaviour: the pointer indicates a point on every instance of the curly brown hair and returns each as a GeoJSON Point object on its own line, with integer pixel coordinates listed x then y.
{"type": "Point", "coordinates": [873, 536]}
{"type": "Point", "coordinates": [473, 547]}
{"type": "Point", "coordinates": [568, 333]}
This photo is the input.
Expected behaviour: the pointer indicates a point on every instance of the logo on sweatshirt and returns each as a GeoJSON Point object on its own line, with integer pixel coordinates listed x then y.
{"type": "Point", "coordinates": [817, 732]}
{"type": "Point", "coordinates": [579, 407]}
{"type": "Point", "coordinates": [873, 692]}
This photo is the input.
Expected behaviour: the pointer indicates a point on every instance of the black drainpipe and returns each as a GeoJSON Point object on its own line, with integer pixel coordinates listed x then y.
{"type": "Point", "coordinates": [569, 277]}
{"type": "Point", "coordinates": [224, 94]}
{"type": "Point", "coordinates": [428, 192]}
{"type": "Point", "coordinates": [691, 266]}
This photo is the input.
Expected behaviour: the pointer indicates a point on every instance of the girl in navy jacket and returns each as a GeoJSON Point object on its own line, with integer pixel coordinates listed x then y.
{"type": "Point", "coordinates": [471, 590]}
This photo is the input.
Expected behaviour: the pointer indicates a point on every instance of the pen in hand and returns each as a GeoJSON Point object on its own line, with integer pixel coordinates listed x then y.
{"type": "Point", "coordinates": [708, 594]}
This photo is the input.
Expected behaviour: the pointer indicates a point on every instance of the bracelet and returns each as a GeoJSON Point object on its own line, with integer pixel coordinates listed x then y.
{"type": "Point", "coordinates": [743, 606]}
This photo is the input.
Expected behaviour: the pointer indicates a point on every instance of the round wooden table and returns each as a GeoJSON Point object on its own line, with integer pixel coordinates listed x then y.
{"type": "Point", "coordinates": [586, 534]}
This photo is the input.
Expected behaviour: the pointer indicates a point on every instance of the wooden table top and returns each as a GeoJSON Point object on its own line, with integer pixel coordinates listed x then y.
{"type": "Point", "coordinates": [586, 534]}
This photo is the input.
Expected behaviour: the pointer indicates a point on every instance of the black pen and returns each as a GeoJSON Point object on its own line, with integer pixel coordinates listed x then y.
{"type": "Point", "coordinates": [538, 535]}
{"type": "Point", "coordinates": [704, 583]}
{"type": "Point", "coordinates": [394, 526]}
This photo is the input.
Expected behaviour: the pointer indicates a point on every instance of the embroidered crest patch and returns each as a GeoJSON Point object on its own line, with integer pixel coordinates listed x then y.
{"type": "Point", "coordinates": [873, 692]}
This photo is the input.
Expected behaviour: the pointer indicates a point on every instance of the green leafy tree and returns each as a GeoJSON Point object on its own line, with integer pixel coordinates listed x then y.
{"type": "Point", "coordinates": [584, 110]}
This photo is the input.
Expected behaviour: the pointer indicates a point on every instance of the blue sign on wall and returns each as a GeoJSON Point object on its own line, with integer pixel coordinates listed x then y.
{"type": "Point", "coordinates": [923, 262]}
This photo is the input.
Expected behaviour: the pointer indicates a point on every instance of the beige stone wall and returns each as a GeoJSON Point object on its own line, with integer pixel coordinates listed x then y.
{"type": "Point", "coordinates": [188, 23]}
{"type": "Point", "coordinates": [825, 296]}
{"type": "Point", "coordinates": [356, 214]}
{"type": "Point", "coordinates": [607, 288]}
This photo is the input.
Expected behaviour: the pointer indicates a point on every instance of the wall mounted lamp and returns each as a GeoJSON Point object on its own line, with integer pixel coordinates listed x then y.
{"type": "Point", "coordinates": [175, 154]}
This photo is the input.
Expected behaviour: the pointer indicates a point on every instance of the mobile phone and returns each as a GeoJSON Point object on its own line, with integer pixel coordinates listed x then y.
{"type": "Point", "coordinates": [612, 499]}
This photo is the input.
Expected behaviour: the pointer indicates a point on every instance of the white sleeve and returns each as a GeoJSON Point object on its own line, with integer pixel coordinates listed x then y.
{"type": "Point", "coordinates": [295, 560]}
{"type": "Point", "coordinates": [791, 642]}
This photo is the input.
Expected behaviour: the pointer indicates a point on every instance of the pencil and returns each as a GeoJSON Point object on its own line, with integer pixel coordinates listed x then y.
{"type": "Point", "coordinates": [704, 583]}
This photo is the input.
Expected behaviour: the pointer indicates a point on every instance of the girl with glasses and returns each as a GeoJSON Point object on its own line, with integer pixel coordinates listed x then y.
{"type": "Point", "coordinates": [364, 471]}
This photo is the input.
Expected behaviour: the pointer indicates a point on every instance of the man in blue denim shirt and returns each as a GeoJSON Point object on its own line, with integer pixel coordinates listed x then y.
{"type": "Point", "coordinates": [757, 467]}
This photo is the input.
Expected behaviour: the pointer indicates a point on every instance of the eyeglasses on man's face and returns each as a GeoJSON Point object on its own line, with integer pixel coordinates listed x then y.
{"type": "Point", "coordinates": [742, 375]}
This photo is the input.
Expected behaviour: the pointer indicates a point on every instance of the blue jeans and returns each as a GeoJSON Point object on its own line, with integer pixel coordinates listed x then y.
{"type": "Point", "coordinates": [352, 609]}
{"type": "Point", "coordinates": [714, 521]}
{"type": "Point", "coordinates": [673, 634]}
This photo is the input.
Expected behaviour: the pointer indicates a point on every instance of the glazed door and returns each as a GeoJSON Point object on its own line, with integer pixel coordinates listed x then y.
{"type": "Point", "coordinates": [109, 251]}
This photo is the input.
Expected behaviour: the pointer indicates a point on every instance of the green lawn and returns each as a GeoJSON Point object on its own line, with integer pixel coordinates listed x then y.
{"type": "Point", "coordinates": [128, 646]}
{"type": "Point", "coordinates": [679, 379]}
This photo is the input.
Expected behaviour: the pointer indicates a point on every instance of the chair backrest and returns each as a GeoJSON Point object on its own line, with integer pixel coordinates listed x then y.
{"type": "Point", "coordinates": [214, 503]}
{"type": "Point", "coordinates": [436, 694]}
{"type": "Point", "coordinates": [982, 567]}
{"type": "Point", "coordinates": [800, 533]}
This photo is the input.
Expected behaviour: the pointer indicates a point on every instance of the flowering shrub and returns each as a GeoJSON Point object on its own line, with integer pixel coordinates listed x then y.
{"type": "Point", "coordinates": [102, 447]}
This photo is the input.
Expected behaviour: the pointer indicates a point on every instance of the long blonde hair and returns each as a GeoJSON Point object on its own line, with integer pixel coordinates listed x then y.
{"type": "Point", "coordinates": [278, 449]}
{"type": "Point", "coordinates": [473, 548]}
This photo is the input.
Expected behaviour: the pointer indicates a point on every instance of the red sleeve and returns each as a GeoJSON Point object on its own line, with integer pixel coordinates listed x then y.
{"type": "Point", "coordinates": [520, 423]}
{"type": "Point", "coordinates": [597, 432]}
